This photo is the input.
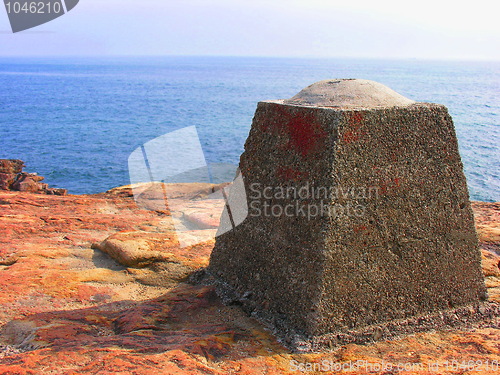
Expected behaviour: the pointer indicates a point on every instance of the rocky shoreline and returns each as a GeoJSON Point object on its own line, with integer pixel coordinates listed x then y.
{"type": "Point", "coordinates": [13, 178]}
{"type": "Point", "coordinates": [94, 284]}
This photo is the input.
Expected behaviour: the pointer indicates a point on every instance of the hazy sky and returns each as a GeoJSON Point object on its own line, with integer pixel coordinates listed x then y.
{"type": "Point", "coordinates": [430, 29]}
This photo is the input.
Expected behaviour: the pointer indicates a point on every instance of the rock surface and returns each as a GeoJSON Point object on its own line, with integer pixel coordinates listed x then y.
{"type": "Point", "coordinates": [11, 166]}
{"type": "Point", "coordinates": [9, 170]}
{"type": "Point", "coordinates": [69, 309]}
{"type": "Point", "coordinates": [13, 178]}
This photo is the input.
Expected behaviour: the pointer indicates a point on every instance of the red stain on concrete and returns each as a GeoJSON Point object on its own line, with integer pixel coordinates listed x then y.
{"type": "Point", "coordinates": [360, 228]}
{"type": "Point", "coordinates": [297, 132]}
{"type": "Point", "coordinates": [291, 174]}
{"type": "Point", "coordinates": [354, 123]}
{"type": "Point", "coordinates": [390, 186]}
{"type": "Point", "coordinates": [305, 135]}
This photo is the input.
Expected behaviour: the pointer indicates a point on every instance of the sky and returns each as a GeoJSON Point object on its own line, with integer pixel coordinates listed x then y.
{"type": "Point", "coordinates": [425, 29]}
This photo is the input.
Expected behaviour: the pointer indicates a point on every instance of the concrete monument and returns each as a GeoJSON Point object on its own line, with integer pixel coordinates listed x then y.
{"type": "Point", "coordinates": [359, 219]}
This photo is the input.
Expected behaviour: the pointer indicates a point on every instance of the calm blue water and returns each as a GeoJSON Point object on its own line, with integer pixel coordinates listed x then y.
{"type": "Point", "coordinates": [76, 121]}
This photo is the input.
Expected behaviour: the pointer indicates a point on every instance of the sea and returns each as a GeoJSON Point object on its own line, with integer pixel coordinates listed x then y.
{"type": "Point", "coordinates": [76, 121]}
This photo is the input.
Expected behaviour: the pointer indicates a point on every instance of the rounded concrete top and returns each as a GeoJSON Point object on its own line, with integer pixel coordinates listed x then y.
{"type": "Point", "coordinates": [348, 93]}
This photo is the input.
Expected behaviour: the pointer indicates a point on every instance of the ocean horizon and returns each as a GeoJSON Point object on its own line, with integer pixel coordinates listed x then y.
{"type": "Point", "coordinates": [75, 121]}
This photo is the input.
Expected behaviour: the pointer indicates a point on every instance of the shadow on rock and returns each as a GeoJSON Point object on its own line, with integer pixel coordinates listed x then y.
{"type": "Point", "coordinates": [190, 318]}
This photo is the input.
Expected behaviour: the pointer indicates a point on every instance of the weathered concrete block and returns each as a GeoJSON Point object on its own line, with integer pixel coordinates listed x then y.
{"type": "Point", "coordinates": [359, 213]}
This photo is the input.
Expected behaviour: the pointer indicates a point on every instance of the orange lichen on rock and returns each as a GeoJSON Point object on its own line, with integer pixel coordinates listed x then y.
{"type": "Point", "coordinates": [68, 308]}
